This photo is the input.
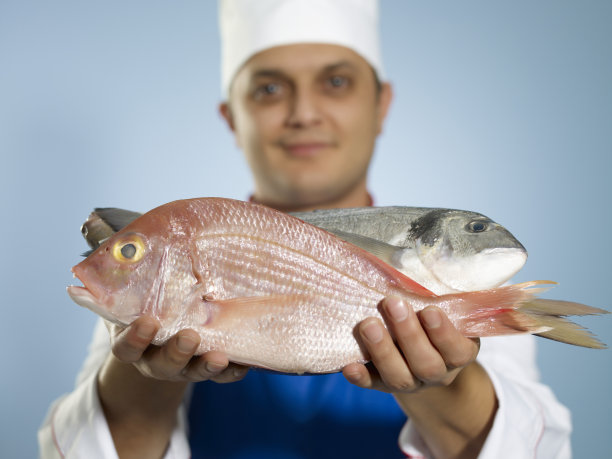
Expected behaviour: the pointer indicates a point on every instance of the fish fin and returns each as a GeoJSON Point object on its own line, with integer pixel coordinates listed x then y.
{"type": "Point", "coordinates": [254, 301]}
{"type": "Point", "coordinates": [116, 218]}
{"type": "Point", "coordinates": [552, 312]}
{"type": "Point", "coordinates": [386, 252]}
{"type": "Point", "coordinates": [402, 282]}
{"type": "Point", "coordinates": [102, 223]}
{"type": "Point", "coordinates": [95, 231]}
{"type": "Point", "coordinates": [389, 254]}
{"type": "Point", "coordinates": [245, 309]}
{"type": "Point", "coordinates": [561, 308]}
{"type": "Point", "coordinates": [566, 331]}
{"type": "Point", "coordinates": [514, 309]}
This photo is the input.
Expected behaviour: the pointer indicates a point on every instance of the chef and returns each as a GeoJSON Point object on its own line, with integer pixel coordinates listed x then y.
{"type": "Point", "coordinates": [306, 96]}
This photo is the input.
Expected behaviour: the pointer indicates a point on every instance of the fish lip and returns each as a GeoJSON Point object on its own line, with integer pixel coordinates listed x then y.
{"type": "Point", "coordinates": [83, 297]}
{"type": "Point", "coordinates": [518, 249]}
{"type": "Point", "coordinates": [514, 258]}
{"type": "Point", "coordinates": [94, 299]}
{"type": "Point", "coordinates": [79, 272]}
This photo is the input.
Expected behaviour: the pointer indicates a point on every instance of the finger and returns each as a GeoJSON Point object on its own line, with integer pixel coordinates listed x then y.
{"type": "Point", "coordinates": [205, 366]}
{"type": "Point", "coordinates": [232, 373]}
{"type": "Point", "coordinates": [456, 350]}
{"type": "Point", "coordinates": [169, 360]}
{"type": "Point", "coordinates": [214, 366]}
{"type": "Point", "coordinates": [358, 374]}
{"type": "Point", "coordinates": [130, 343]}
{"type": "Point", "coordinates": [386, 357]}
{"type": "Point", "coordinates": [425, 362]}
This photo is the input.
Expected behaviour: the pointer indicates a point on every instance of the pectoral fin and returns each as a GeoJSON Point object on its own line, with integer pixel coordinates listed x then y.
{"type": "Point", "coordinates": [243, 311]}
{"type": "Point", "coordinates": [390, 254]}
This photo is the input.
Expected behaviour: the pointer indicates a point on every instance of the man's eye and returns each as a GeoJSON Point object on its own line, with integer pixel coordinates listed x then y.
{"type": "Point", "coordinates": [267, 90]}
{"type": "Point", "coordinates": [271, 88]}
{"type": "Point", "coordinates": [337, 82]}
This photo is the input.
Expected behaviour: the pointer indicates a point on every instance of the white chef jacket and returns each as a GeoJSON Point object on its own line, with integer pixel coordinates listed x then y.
{"type": "Point", "coordinates": [529, 423]}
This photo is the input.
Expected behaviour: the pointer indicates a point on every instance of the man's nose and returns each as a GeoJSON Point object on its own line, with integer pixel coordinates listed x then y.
{"type": "Point", "coordinates": [304, 109]}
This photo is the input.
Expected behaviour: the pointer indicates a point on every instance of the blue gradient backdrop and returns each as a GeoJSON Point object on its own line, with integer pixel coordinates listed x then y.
{"type": "Point", "coordinates": [501, 107]}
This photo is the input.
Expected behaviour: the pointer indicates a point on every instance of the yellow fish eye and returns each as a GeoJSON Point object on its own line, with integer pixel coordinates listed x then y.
{"type": "Point", "coordinates": [129, 250]}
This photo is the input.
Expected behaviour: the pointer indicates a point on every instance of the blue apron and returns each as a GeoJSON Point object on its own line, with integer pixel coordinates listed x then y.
{"type": "Point", "coordinates": [273, 416]}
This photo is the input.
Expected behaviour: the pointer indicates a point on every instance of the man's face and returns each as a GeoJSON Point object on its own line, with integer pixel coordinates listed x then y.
{"type": "Point", "coordinates": [307, 117]}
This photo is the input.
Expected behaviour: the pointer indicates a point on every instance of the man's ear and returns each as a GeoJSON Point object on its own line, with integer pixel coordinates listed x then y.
{"type": "Point", "coordinates": [226, 113]}
{"type": "Point", "coordinates": [384, 102]}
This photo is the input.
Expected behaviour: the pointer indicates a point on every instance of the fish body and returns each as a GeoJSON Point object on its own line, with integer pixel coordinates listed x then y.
{"type": "Point", "coordinates": [445, 250]}
{"type": "Point", "coordinates": [267, 288]}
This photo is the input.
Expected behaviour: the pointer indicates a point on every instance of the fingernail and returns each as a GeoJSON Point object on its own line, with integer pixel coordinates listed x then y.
{"type": "Point", "coordinates": [239, 372]}
{"type": "Point", "coordinates": [373, 332]}
{"type": "Point", "coordinates": [397, 308]}
{"type": "Point", "coordinates": [186, 345]}
{"type": "Point", "coordinates": [431, 317]}
{"type": "Point", "coordinates": [145, 331]}
{"type": "Point", "coordinates": [214, 367]}
{"type": "Point", "coordinates": [353, 376]}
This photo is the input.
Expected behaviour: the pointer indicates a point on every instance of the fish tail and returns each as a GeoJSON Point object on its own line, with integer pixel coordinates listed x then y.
{"type": "Point", "coordinates": [514, 309]}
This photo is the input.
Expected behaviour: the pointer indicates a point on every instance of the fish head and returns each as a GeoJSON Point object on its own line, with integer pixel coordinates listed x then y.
{"type": "Point", "coordinates": [119, 276]}
{"type": "Point", "coordinates": [467, 251]}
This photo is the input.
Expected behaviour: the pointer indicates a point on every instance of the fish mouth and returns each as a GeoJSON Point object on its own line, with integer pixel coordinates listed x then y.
{"type": "Point", "coordinates": [86, 297]}
{"type": "Point", "coordinates": [487, 269]}
{"type": "Point", "coordinates": [493, 267]}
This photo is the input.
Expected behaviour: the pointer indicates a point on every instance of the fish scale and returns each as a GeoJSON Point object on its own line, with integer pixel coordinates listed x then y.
{"type": "Point", "coordinates": [278, 270]}
{"type": "Point", "coordinates": [323, 336]}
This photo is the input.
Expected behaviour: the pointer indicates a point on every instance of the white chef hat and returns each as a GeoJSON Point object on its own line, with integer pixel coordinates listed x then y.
{"type": "Point", "coordinates": [250, 26]}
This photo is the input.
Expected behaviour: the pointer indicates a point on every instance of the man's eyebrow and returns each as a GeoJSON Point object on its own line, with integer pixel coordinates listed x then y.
{"type": "Point", "coordinates": [279, 73]}
{"type": "Point", "coordinates": [262, 73]}
{"type": "Point", "coordinates": [339, 65]}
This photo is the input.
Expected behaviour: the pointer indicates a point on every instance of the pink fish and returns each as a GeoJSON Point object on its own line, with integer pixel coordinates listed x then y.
{"type": "Point", "coordinates": [275, 292]}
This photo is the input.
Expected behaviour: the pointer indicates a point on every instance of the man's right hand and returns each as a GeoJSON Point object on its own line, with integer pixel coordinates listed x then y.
{"type": "Point", "coordinates": [141, 386]}
{"type": "Point", "coordinates": [175, 360]}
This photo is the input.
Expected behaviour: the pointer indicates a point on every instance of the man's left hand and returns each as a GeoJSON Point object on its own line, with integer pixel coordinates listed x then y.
{"type": "Point", "coordinates": [415, 351]}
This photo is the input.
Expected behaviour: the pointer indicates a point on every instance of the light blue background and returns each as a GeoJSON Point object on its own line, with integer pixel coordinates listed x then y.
{"type": "Point", "coordinates": [501, 107]}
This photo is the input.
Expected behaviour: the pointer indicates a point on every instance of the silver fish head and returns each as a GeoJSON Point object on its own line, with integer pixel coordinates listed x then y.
{"type": "Point", "coordinates": [465, 250]}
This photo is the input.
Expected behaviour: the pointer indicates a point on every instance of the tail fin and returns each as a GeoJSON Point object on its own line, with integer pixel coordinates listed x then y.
{"type": "Point", "coordinates": [514, 309]}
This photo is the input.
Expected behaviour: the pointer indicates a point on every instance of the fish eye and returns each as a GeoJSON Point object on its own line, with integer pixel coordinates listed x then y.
{"type": "Point", "coordinates": [476, 226]}
{"type": "Point", "coordinates": [129, 250]}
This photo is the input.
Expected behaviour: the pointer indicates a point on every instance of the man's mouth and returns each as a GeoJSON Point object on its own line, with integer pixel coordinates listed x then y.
{"type": "Point", "coordinates": [306, 149]}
